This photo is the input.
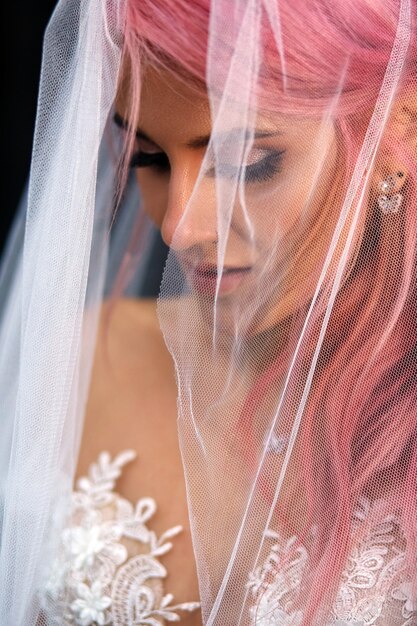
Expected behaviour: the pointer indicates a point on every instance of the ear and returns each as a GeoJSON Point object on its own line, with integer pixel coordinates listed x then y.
{"type": "Point", "coordinates": [400, 136]}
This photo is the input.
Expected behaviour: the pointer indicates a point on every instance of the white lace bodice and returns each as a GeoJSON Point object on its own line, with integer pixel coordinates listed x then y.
{"type": "Point", "coordinates": [374, 590]}
{"type": "Point", "coordinates": [108, 569]}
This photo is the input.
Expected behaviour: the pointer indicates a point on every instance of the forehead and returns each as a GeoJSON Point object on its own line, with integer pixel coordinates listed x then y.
{"type": "Point", "coordinates": [170, 111]}
{"type": "Point", "coordinates": [173, 112]}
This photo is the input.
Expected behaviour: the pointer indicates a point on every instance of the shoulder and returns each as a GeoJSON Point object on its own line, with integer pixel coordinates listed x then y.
{"type": "Point", "coordinates": [131, 357]}
{"type": "Point", "coordinates": [128, 321]}
{"type": "Point", "coordinates": [132, 382]}
{"type": "Point", "coordinates": [128, 337]}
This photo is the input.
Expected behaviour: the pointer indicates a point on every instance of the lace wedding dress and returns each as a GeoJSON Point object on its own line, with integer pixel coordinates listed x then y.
{"type": "Point", "coordinates": [109, 570]}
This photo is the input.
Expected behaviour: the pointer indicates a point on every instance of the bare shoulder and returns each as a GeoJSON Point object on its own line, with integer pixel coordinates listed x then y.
{"type": "Point", "coordinates": [133, 314]}
{"type": "Point", "coordinates": [133, 381]}
{"type": "Point", "coordinates": [129, 337]}
{"type": "Point", "coordinates": [132, 405]}
{"type": "Point", "coordinates": [127, 323]}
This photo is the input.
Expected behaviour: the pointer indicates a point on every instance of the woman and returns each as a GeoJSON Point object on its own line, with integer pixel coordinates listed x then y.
{"type": "Point", "coordinates": [274, 147]}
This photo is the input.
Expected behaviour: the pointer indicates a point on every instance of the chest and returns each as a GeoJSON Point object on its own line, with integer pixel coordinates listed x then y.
{"type": "Point", "coordinates": [142, 417]}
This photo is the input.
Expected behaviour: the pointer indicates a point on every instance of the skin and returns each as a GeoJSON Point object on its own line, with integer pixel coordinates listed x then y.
{"type": "Point", "coordinates": [287, 239]}
{"type": "Point", "coordinates": [132, 405]}
{"type": "Point", "coordinates": [133, 396]}
{"type": "Point", "coordinates": [132, 401]}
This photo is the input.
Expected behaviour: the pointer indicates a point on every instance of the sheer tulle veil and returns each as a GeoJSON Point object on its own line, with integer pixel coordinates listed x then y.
{"type": "Point", "coordinates": [292, 326]}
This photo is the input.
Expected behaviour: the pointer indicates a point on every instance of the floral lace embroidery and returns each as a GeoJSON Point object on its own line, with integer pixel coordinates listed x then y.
{"type": "Point", "coordinates": [374, 588]}
{"type": "Point", "coordinates": [93, 582]}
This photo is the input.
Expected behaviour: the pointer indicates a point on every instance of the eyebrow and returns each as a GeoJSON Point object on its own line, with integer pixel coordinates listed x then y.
{"type": "Point", "coordinates": [199, 142]}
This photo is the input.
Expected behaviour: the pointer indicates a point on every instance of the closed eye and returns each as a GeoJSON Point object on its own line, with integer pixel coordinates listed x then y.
{"type": "Point", "coordinates": [262, 170]}
{"type": "Point", "coordinates": [147, 153]}
{"type": "Point", "coordinates": [158, 160]}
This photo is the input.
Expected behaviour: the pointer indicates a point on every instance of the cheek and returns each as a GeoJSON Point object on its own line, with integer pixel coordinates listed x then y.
{"type": "Point", "coordinates": [286, 210]}
{"type": "Point", "coordinates": [154, 193]}
{"type": "Point", "coordinates": [298, 198]}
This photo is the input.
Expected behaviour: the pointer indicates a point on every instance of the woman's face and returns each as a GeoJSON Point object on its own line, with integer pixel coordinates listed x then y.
{"type": "Point", "coordinates": [271, 234]}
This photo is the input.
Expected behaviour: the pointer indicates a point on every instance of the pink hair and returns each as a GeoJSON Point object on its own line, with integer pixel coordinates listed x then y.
{"type": "Point", "coordinates": [364, 385]}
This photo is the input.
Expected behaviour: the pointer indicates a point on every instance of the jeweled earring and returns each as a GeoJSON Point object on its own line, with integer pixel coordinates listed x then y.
{"type": "Point", "coordinates": [389, 202]}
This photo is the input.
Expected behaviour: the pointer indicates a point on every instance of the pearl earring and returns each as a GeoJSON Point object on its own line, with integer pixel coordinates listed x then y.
{"type": "Point", "coordinates": [387, 201]}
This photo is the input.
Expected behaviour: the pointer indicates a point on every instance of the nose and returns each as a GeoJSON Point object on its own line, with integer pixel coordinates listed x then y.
{"type": "Point", "coordinates": [190, 218]}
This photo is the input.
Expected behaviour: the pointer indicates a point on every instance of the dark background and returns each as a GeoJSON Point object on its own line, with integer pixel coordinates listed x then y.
{"type": "Point", "coordinates": [22, 26]}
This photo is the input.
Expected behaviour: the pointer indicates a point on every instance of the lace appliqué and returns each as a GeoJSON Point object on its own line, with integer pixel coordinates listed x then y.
{"type": "Point", "coordinates": [93, 582]}
{"type": "Point", "coordinates": [372, 592]}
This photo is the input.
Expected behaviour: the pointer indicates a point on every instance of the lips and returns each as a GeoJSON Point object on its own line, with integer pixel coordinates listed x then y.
{"type": "Point", "coordinates": [204, 277]}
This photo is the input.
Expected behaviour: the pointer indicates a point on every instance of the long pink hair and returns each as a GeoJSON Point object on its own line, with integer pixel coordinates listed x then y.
{"type": "Point", "coordinates": [365, 384]}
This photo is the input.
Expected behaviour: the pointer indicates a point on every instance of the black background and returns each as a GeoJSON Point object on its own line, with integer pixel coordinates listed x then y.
{"type": "Point", "coordinates": [23, 24]}
{"type": "Point", "coordinates": [22, 27]}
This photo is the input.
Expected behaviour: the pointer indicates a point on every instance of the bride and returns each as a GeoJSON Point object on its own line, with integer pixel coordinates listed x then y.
{"type": "Point", "coordinates": [242, 450]}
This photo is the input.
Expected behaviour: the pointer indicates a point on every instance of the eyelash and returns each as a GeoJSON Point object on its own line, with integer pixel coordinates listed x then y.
{"type": "Point", "coordinates": [262, 171]}
{"type": "Point", "coordinates": [158, 160]}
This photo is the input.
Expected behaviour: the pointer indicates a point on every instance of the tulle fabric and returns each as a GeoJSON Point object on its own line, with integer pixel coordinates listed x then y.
{"type": "Point", "coordinates": [296, 388]}
{"type": "Point", "coordinates": [275, 415]}
{"type": "Point", "coordinates": [51, 293]}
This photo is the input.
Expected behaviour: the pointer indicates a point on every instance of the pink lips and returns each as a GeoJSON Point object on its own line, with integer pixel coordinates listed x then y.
{"type": "Point", "coordinates": [203, 278]}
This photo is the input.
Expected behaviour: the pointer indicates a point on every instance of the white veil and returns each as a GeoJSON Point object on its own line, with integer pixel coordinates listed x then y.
{"type": "Point", "coordinates": [49, 309]}
{"type": "Point", "coordinates": [262, 340]}
{"type": "Point", "coordinates": [244, 415]}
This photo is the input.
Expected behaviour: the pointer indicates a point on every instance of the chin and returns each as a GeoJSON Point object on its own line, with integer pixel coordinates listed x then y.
{"type": "Point", "coordinates": [239, 319]}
